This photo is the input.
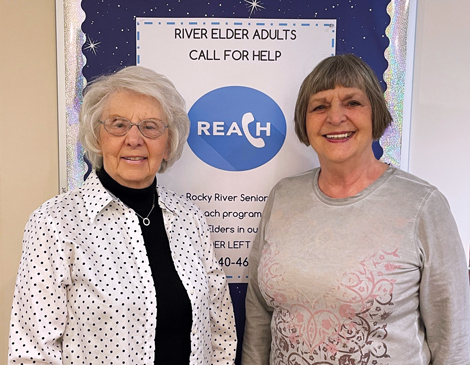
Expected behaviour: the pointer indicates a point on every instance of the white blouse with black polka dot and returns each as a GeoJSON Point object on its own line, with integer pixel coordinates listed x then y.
{"type": "Point", "coordinates": [85, 294]}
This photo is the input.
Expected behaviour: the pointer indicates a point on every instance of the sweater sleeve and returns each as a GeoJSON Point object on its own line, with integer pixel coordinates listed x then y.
{"type": "Point", "coordinates": [444, 287]}
{"type": "Point", "coordinates": [39, 310]}
{"type": "Point", "coordinates": [257, 336]}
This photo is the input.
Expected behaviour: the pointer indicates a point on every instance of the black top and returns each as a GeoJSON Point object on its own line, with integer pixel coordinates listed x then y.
{"type": "Point", "coordinates": [174, 315]}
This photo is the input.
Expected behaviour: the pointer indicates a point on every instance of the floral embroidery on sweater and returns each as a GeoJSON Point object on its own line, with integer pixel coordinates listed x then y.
{"type": "Point", "coordinates": [346, 326]}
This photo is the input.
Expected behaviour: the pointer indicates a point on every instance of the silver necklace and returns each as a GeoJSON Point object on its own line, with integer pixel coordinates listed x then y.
{"type": "Point", "coordinates": [146, 220]}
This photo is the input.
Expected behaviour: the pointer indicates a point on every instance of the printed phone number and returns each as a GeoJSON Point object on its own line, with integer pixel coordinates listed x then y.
{"type": "Point", "coordinates": [227, 261]}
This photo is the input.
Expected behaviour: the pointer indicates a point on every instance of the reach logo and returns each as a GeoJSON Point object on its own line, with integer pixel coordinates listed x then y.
{"type": "Point", "coordinates": [236, 128]}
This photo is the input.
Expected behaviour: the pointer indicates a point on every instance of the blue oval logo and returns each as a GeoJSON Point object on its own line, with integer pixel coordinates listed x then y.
{"type": "Point", "coordinates": [236, 128]}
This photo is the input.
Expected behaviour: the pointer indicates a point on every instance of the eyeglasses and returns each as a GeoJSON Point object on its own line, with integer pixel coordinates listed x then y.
{"type": "Point", "coordinates": [119, 126]}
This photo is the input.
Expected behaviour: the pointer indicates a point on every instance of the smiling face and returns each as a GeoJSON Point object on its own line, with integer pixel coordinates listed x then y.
{"type": "Point", "coordinates": [132, 160]}
{"type": "Point", "coordinates": [339, 126]}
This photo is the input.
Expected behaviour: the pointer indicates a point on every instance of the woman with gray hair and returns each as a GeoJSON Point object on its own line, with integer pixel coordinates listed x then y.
{"type": "Point", "coordinates": [355, 262]}
{"type": "Point", "coordinates": [122, 270]}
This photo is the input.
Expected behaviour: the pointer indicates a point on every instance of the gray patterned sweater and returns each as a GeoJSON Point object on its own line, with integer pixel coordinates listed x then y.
{"type": "Point", "coordinates": [378, 278]}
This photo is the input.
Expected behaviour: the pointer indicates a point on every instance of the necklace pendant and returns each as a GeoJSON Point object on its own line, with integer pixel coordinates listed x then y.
{"type": "Point", "coordinates": [146, 222]}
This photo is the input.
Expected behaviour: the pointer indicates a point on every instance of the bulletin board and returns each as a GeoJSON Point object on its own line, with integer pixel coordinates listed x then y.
{"type": "Point", "coordinates": [255, 52]}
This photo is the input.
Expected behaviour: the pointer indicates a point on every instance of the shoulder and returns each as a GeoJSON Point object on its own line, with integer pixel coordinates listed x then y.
{"type": "Point", "coordinates": [51, 218]}
{"type": "Point", "coordinates": [299, 181]}
{"type": "Point", "coordinates": [292, 188]}
{"type": "Point", "coordinates": [85, 201]}
{"type": "Point", "coordinates": [409, 186]}
{"type": "Point", "coordinates": [409, 179]}
{"type": "Point", "coordinates": [290, 192]}
{"type": "Point", "coordinates": [176, 203]}
{"type": "Point", "coordinates": [56, 206]}
{"type": "Point", "coordinates": [407, 191]}
{"type": "Point", "coordinates": [187, 220]}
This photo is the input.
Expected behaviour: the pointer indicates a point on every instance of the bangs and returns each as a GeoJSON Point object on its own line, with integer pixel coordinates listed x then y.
{"type": "Point", "coordinates": [338, 74]}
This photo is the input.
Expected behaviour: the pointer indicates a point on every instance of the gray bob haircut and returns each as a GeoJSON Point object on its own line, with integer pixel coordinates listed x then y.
{"type": "Point", "coordinates": [142, 81]}
{"type": "Point", "coordinates": [345, 70]}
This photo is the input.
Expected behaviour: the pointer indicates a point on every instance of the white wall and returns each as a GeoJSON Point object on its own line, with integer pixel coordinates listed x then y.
{"type": "Point", "coordinates": [440, 123]}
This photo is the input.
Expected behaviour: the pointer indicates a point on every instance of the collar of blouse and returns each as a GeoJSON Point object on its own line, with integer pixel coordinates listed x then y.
{"type": "Point", "coordinates": [96, 197]}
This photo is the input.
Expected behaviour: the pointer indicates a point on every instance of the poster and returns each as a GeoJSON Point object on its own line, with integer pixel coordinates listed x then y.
{"type": "Point", "coordinates": [240, 79]}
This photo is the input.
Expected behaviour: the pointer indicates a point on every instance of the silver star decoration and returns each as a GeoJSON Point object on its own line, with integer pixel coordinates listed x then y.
{"type": "Point", "coordinates": [254, 5]}
{"type": "Point", "coordinates": [91, 45]}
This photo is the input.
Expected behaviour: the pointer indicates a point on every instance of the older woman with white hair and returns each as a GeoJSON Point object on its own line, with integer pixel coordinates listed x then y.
{"type": "Point", "coordinates": [122, 270]}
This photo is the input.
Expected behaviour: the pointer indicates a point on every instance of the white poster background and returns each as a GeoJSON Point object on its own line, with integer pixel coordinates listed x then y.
{"type": "Point", "coordinates": [201, 55]}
